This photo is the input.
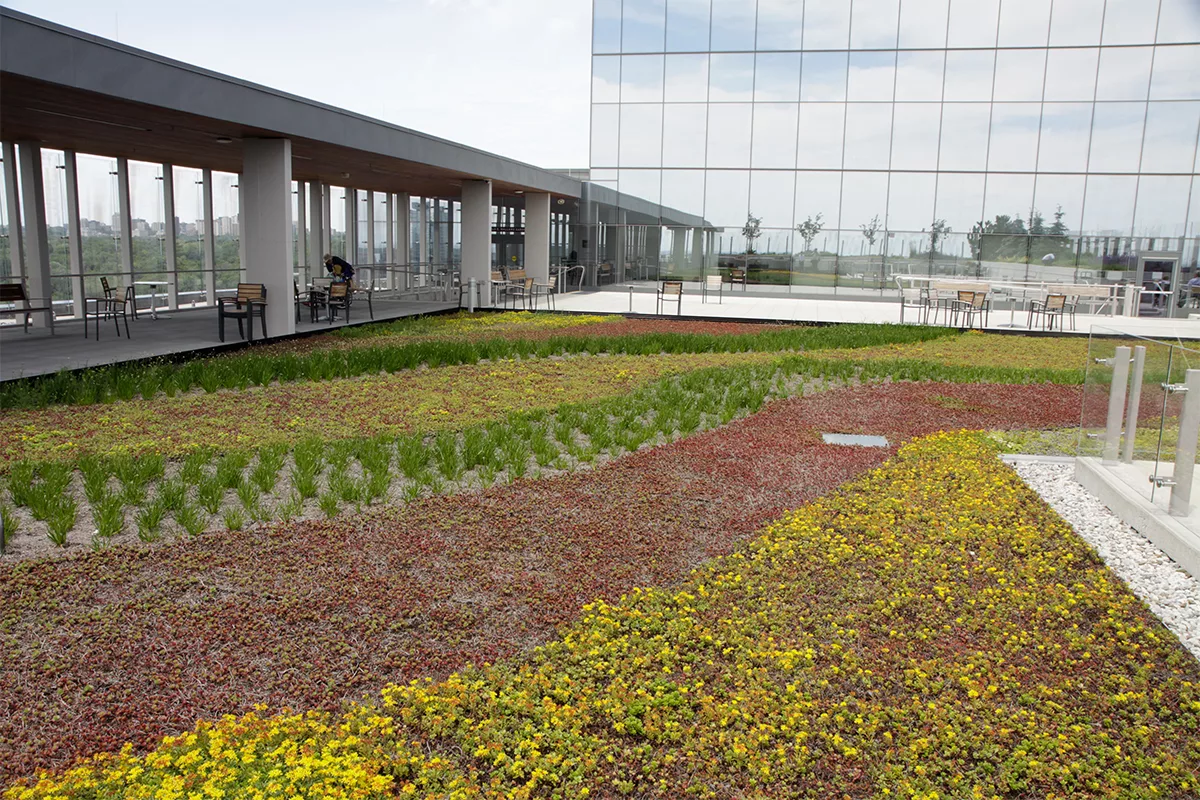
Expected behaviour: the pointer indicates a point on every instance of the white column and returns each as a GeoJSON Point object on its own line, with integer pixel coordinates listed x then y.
{"type": "Point", "coordinates": [301, 234]}
{"type": "Point", "coordinates": [653, 247]}
{"type": "Point", "coordinates": [697, 260]}
{"type": "Point", "coordinates": [74, 233]}
{"type": "Point", "coordinates": [317, 243]}
{"type": "Point", "coordinates": [423, 237]}
{"type": "Point", "coordinates": [450, 233]}
{"type": "Point", "coordinates": [125, 243]}
{"type": "Point", "coordinates": [266, 226]}
{"type": "Point", "coordinates": [13, 201]}
{"type": "Point", "coordinates": [168, 183]}
{"type": "Point", "coordinates": [389, 253]}
{"type": "Point", "coordinates": [33, 207]}
{"type": "Point", "coordinates": [241, 219]}
{"type": "Point", "coordinates": [537, 236]}
{"type": "Point", "coordinates": [371, 229]}
{"type": "Point", "coordinates": [437, 231]}
{"type": "Point", "coordinates": [403, 227]}
{"type": "Point", "coordinates": [620, 246]}
{"type": "Point", "coordinates": [208, 240]}
{"type": "Point", "coordinates": [476, 232]}
{"type": "Point", "coordinates": [351, 243]}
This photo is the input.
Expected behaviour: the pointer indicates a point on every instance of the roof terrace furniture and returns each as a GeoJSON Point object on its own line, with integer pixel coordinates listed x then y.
{"type": "Point", "coordinates": [737, 275]}
{"type": "Point", "coordinates": [670, 291]}
{"type": "Point", "coordinates": [713, 284]}
{"type": "Point", "coordinates": [15, 293]}
{"type": "Point", "coordinates": [128, 296]}
{"type": "Point", "coordinates": [914, 297]}
{"type": "Point", "coordinates": [545, 289]}
{"type": "Point", "coordinates": [340, 297]}
{"type": "Point", "coordinates": [1052, 307]}
{"type": "Point", "coordinates": [313, 300]}
{"type": "Point", "coordinates": [251, 298]}
{"type": "Point", "coordinates": [522, 288]}
{"type": "Point", "coordinates": [103, 308]}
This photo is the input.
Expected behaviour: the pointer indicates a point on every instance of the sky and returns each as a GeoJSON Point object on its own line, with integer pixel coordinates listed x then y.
{"type": "Point", "coordinates": [507, 76]}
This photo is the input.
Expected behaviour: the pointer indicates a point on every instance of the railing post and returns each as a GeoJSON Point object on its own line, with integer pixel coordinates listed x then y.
{"type": "Point", "coordinates": [1135, 399]}
{"type": "Point", "coordinates": [1116, 405]}
{"type": "Point", "coordinates": [471, 296]}
{"type": "Point", "coordinates": [631, 299]}
{"type": "Point", "coordinates": [1185, 447]}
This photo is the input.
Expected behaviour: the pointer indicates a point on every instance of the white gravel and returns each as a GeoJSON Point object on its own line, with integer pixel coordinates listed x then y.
{"type": "Point", "coordinates": [1172, 594]}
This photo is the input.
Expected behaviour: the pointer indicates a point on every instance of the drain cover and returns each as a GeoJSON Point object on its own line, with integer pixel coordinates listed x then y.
{"type": "Point", "coordinates": [854, 440]}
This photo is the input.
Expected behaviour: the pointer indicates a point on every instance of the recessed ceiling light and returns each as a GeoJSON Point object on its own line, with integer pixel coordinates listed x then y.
{"type": "Point", "coordinates": [224, 140]}
{"type": "Point", "coordinates": [561, 201]}
{"type": "Point", "coordinates": [345, 174]}
{"type": "Point", "coordinates": [519, 191]}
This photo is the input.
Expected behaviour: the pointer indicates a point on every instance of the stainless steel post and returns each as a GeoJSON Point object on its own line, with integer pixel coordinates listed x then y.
{"type": "Point", "coordinates": [1185, 448]}
{"type": "Point", "coordinates": [1116, 405]}
{"type": "Point", "coordinates": [1135, 398]}
{"type": "Point", "coordinates": [471, 296]}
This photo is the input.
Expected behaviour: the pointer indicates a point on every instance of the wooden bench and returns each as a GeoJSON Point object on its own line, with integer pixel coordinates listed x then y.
{"type": "Point", "coordinates": [15, 293]}
{"type": "Point", "coordinates": [250, 297]}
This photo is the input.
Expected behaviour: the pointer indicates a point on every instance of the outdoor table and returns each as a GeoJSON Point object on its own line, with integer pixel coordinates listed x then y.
{"type": "Point", "coordinates": [153, 296]}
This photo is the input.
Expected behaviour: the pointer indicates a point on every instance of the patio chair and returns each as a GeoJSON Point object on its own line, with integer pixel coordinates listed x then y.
{"type": "Point", "coordinates": [670, 290]}
{"type": "Point", "coordinates": [111, 305]}
{"type": "Point", "coordinates": [712, 283]}
{"type": "Point", "coordinates": [737, 275]}
{"type": "Point", "coordinates": [546, 290]}
{"type": "Point", "coordinates": [522, 289]}
{"type": "Point", "coordinates": [360, 289]}
{"type": "Point", "coordinates": [340, 295]}
{"type": "Point", "coordinates": [604, 272]}
{"type": "Point", "coordinates": [251, 298]}
{"type": "Point", "coordinates": [915, 297]}
{"type": "Point", "coordinates": [313, 300]}
{"type": "Point", "coordinates": [15, 293]}
{"type": "Point", "coordinates": [1053, 306]}
{"type": "Point", "coordinates": [974, 310]}
{"type": "Point", "coordinates": [129, 297]}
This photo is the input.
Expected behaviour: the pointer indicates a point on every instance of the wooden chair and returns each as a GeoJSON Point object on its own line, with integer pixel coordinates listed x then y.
{"type": "Point", "coordinates": [339, 298]}
{"type": "Point", "coordinates": [313, 300]}
{"type": "Point", "coordinates": [522, 289]}
{"type": "Point", "coordinates": [251, 298]}
{"type": "Point", "coordinates": [973, 306]}
{"type": "Point", "coordinates": [1053, 306]}
{"type": "Point", "coordinates": [713, 284]}
{"type": "Point", "coordinates": [15, 293]}
{"type": "Point", "coordinates": [546, 289]}
{"type": "Point", "coordinates": [670, 290]}
{"type": "Point", "coordinates": [499, 287]}
{"type": "Point", "coordinates": [604, 272]}
{"type": "Point", "coordinates": [737, 275]}
{"type": "Point", "coordinates": [128, 296]}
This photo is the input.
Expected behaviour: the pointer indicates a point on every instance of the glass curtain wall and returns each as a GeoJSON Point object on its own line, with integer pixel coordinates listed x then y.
{"type": "Point", "coordinates": [189, 234]}
{"type": "Point", "coordinates": [226, 233]}
{"type": "Point", "coordinates": [833, 146]}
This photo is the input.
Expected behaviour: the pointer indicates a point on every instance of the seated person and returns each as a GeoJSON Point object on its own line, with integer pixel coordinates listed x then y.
{"type": "Point", "coordinates": [339, 268]}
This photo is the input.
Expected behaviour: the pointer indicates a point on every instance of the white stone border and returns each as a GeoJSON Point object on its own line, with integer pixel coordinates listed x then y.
{"type": "Point", "coordinates": [1172, 594]}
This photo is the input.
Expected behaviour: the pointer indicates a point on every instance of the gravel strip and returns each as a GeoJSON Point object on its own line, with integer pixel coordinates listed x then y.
{"type": "Point", "coordinates": [1172, 594]}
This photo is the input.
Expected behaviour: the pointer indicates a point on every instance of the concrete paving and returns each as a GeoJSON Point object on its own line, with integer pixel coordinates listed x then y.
{"type": "Point", "coordinates": [175, 332]}
{"type": "Point", "coordinates": [736, 305]}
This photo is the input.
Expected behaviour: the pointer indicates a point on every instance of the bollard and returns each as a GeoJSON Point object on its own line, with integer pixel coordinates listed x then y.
{"type": "Point", "coordinates": [471, 296]}
{"type": "Point", "coordinates": [1185, 448]}
{"type": "Point", "coordinates": [1135, 399]}
{"type": "Point", "coordinates": [631, 299]}
{"type": "Point", "coordinates": [1116, 405]}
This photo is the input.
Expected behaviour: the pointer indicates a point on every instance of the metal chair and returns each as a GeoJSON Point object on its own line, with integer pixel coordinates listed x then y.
{"type": "Point", "coordinates": [670, 290]}
{"type": "Point", "coordinates": [251, 298]}
{"type": "Point", "coordinates": [713, 283]}
{"type": "Point", "coordinates": [15, 293]}
{"type": "Point", "coordinates": [546, 289]}
{"type": "Point", "coordinates": [1053, 306]}
{"type": "Point", "coordinates": [339, 298]}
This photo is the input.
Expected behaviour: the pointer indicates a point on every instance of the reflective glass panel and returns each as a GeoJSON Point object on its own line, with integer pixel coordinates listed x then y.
{"type": "Point", "coordinates": [1124, 73]}
{"type": "Point", "coordinates": [687, 25]}
{"type": "Point", "coordinates": [731, 77]}
{"type": "Point", "coordinates": [1170, 144]}
{"type": "Point", "coordinates": [872, 76]}
{"type": "Point", "coordinates": [1129, 21]}
{"type": "Point", "coordinates": [820, 135]}
{"type": "Point", "coordinates": [643, 184]}
{"type": "Point", "coordinates": [732, 25]}
{"type": "Point", "coordinates": [1179, 21]}
{"type": "Point", "coordinates": [1055, 193]}
{"type": "Point", "coordinates": [777, 77]}
{"type": "Point", "coordinates": [605, 135]}
{"type": "Point", "coordinates": [729, 135]}
{"type": "Point", "coordinates": [1014, 136]}
{"type": "Point", "coordinates": [683, 190]}
{"type": "Point", "coordinates": [606, 79]}
{"type": "Point", "coordinates": [874, 23]}
{"type": "Point", "coordinates": [923, 24]}
{"type": "Point", "coordinates": [1117, 137]}
{"type": "Point", "coordinates": [915, 135]}
{"type": "Point", "coordinates": [641, 135]}
{"type": "Point", "coordinates": [1076, 22]}
{"type": "Point", "coordinates": [919, 75]}
{"type": "Point", "coordinates": [1071, 74]}
{"type": "Point", "coordinates": [1019, 74]}
{"type": "Point", "coordinates": [964, 136]}
{"type": "Point", "coordinates": [910, 201]}
{"type": "Point", "coordinates": [780, 25]}
{"type": "Point", "coordinates": [960, 199]}
{"type": "Point", "coordinates": [772, 194]}
{"type": "Point", "coordinates": [864, 196]}
{"type": "Point", "coordinates": [1161, 205]}
{"type": "Point", "coordinates": [643, 23]}
{"type": "Point", "coordinates": [189, 252]}
{"type": "Point", "coordinates": [727, 197]}
{"type": "Point", "coordinates": [1066, 128]}
{"type": "Point", "coordinates": [868, 135]}
{"type": "Point", "coordinates": [969, 75]}
{"type": "Point", "coordinates": [1009, 195]}
{"type": "Point", "coordinates": [826, 26]}
{"type": "Point", "coordinates": [1024, 23]}
{"type": "Point", "coordinates": [818, 193]}
{"type": "Point", "coordinates": [823, 76]}
{"type": "Point", "coordinates": [606, 26]}
{"type": "Point", "coordinates": [1108, 204]}
{"type": "Point", "coordinates": [775, 135]}
{"type": "Point", "coordinates": [973, 23]}
{"type": "Point", "coordinates": [684, 134]}
{"type": "Point", "coordinates": [1176, 72]}
{"type": "Point", "coordinates": [641, 79]}
{"type": "Point", "coordinates": [686, 78]}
